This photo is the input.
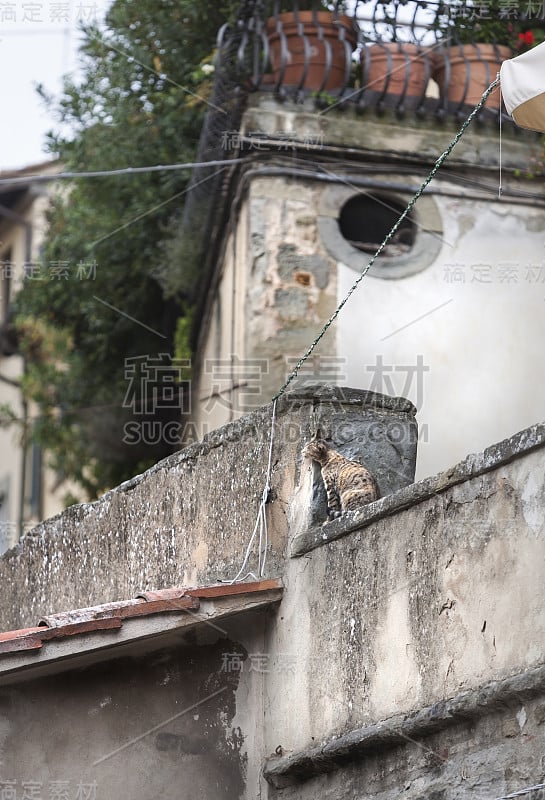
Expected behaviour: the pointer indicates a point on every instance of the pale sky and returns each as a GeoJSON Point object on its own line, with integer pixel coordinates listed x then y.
{"type": "Point", "coordinates": [38, 43]}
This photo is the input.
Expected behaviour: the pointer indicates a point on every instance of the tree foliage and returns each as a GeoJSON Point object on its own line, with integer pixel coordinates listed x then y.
{"type": "Point", "coordinates": [139, 101]}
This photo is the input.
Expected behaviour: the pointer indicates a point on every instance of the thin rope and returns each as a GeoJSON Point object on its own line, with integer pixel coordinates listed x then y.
{"type": "Point", "coordinates": [521, 792]}
{"type": "Point", "coordinates": [261, 520]}
{"type": "Point", "coordinates": [267, 491]}
{"type": "Point", "coordinates": [388, 237]}
{"type": "Point", "coordinates": [500, 187]}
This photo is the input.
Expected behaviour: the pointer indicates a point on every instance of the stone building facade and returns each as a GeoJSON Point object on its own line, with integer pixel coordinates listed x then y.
{"type": "Point", "coordinates": [29, 491]}
{"type": "Point", "coordinates": [449, 316]}
{"type": "Point", "coordinates": [162, 642]}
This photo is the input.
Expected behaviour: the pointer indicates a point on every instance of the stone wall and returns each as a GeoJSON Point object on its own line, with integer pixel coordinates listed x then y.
{"type": "Point", "coordinates": [420, 666]}
{"type": "Point", "coordinates": [188, 520]}
{"type": "Point", "coordinates": [486, 756]}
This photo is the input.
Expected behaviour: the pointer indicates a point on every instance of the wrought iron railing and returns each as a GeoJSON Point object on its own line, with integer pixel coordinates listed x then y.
{"type": "Point", "coordinates": [403, 54]}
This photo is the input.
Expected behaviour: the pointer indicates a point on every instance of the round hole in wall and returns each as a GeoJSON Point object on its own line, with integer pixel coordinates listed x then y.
{"type": "Point", "coordinates": [366, 219]}
{"type": "Point", "coordinates": [419, 240]}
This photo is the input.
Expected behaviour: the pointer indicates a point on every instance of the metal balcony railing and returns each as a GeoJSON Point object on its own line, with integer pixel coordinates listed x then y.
{"type": "Point", "coordinates": [402, 55]}
{"type": "Point", "coordinates": [406, 55]}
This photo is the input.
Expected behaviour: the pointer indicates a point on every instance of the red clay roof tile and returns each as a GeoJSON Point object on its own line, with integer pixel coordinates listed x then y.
{"type": "Point", "coordinates": [111, 615]}
{"type": "Point", "coordinates": [16, 634]}
{"type": "Point", "coordinates": [225, 589]}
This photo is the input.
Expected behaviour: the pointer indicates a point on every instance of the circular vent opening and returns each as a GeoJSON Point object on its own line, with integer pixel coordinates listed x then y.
{"type": "Point", "coordinates": [366, 219]}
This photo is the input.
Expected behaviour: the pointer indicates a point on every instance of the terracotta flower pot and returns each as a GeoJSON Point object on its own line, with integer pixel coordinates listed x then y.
{"type": "Point", "coordinates": [473, 67]}
{"type": "Point", "coordinates": [398, 69]}
{"type": "Point", "coordinates": [311, 50]}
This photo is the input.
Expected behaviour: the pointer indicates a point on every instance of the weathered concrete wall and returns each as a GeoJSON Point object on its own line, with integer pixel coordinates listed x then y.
{"type": "Point", "coordinates": [188, 520]}
{"type": "Point", "coordinates": [416, 139]}
{"type": "Point", "coordinates": [441, 597]}
{"type": "Point", "coordinates": [183, 522]}
{"type": "Point", "coordinates": [155, 726]}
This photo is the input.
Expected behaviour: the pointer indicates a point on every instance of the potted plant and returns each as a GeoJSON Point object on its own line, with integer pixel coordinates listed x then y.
{"type": "Point", "coordinates": [398, 70]}
{"type": "Point", "coordinates": [310, 47]}
{"type": "Point", "coordinates": [480, 39]}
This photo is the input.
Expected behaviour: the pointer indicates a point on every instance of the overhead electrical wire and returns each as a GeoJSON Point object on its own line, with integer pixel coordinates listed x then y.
{"type": "Point", "coordinates": [121, 171]}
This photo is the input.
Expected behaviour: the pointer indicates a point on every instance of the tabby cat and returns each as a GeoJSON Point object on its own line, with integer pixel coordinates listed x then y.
{"type": "Point", "coordinates": [349, 485]}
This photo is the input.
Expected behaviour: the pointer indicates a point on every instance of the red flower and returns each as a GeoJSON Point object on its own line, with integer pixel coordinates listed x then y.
{"type": "Point", "coordinates": [527, 38]}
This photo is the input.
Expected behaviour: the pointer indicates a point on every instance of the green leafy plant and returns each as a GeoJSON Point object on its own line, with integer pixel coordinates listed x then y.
{"type": "Point", "coordinates": [324, 99]}
{"type": "Point", "coordinates": [141, 98]}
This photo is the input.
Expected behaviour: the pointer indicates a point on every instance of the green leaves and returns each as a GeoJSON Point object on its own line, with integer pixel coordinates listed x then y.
{"type": "Point", "coordinates": [137, 103]}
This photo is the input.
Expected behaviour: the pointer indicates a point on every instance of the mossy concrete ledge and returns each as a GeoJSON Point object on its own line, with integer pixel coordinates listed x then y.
{"type": "Point", "coordinates": [471, 467]}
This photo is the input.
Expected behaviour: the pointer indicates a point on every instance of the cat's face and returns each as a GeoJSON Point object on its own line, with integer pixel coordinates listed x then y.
{"type": "Point", "coordinates": [317, 451]}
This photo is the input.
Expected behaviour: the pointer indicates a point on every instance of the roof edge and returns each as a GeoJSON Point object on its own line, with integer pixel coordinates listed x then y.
{"type": "Point", "coordinates": [147, 614]}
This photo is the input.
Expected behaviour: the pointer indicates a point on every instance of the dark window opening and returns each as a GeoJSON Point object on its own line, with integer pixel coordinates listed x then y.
{"type": "Point", "coordinates": [8, 335]}
{"type": "Point", "coordinates": [7, 271]}
{"type": "Point", "coordinates": [365, 221]}
{"type": "Point", "coordinates": [36, 490]}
